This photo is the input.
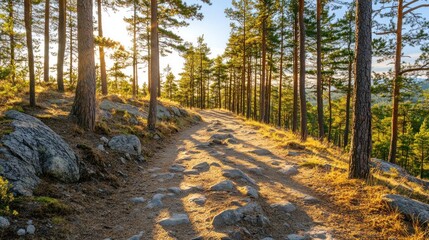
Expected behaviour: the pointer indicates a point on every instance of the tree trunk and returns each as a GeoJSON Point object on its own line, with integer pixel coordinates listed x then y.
{"type": "Point", "coordinates": [29, 37]}
{"type": "Point", "coordinates": [396, 85]}
{"type": "Point", "coordinates": [263, 63]}
{"type": "Point", "coordinates": [154, 65]}
{"type": "Point", "coordinates": [12, 40]}
{"type": "Point", "coordinates": [134, 50]}
{"type": "Point", "coordinates": [249, 87]}
{"type": "Point", "coordinates": [61, 43]}
{"type": "Point", "coordinates": [295, 76]}
{"type": "Point", "coordinates": [302, 72]}
{"type": "Point", "coordinates": [71, 47]}
{"type": "Point", "coordinates": [361, 144]}
{"type": "Point", "coordinates": [103, 75]}
{"type": "Point", "coordinates": [330, 110]}
{"type": "Point", "coordinates": [349, 87]}
{"type": "Point", "coordinates": [319, 73]}
{"type": "Point", "coordinates": [255, 109]}
{"type": "Point", "coordinates": [46, 53]}
{"type": "Point", "coordinates": [279, 114]}
{"type": "Point", "coordinates": [84, 106]}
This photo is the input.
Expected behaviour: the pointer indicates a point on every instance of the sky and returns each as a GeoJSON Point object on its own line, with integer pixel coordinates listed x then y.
{"type": "Point", "coordinates": [215, 28]}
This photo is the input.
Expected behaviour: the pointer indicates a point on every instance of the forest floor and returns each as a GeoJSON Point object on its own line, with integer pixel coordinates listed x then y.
{"type": "Point", "coordinates": [328, 206]}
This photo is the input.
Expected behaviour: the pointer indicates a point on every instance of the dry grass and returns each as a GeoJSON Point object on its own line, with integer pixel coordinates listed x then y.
{"type": "Point", "coordinates": [359, 203]}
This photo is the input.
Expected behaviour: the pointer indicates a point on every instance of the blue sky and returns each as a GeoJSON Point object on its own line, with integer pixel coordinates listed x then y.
{"type": "Point", "coordinates": [214, 26]}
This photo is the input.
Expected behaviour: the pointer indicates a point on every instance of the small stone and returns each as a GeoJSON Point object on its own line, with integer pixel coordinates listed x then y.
{"type": "Point", "coordinates": [30, 222]}
{"type": "Point", "coordinates": [310, 199]}
{"type": "Point", "coordinates": [237, 173]}
{"type": "Point", "coordinates": [250, 191]}
{"type": "Point", "coordinates": [123, 161]}
{"type": "Point", "coordinates": [202, 167]}
{"type": "Point", "coordinates": [176, 219]}
{"type": "Point", "coordinates": [155, 169]}
{"type": "Point", "coordinates": [138, 200]}
{"type": "Point", "coordinates": [4, 223]}
{"type": "Point", "coordinates": [191, 172]}
{"type": "Point", "coordinates": [21, 232]}
{"type": "Point", "coordinates": [284, 206]}
{"type": "Point", "coordinates": [175, 190]}
{"type": "Point", "coordinates": [137, 237]}
{"type": "Point", "coordinates": [128, 156]}
{"type": "Point", "coordinates": [198, 199]}
{"type": "Point", "coordinates": [100, 147]}
{"type": "Point", "coordinates": [156, 201]}
{"type": "Point", "coordinates": [105, 140]}
{"type": "Point", "coordinates": [289, 170]}
{"type": "Point", "coordinates": [141, 158]}
{"type": "Point", "coordinates": [31, 229]}
{"type": "Point", "coordinates": [295, 237]}
{"type": "Point", "coordinates": [226, 185]}
{"type": "Point", "coordinates": [177, 168]}
{"type": "Point", "coordinates": [261, 152]}
{"type": "Point", "coordinates": [256, 170]}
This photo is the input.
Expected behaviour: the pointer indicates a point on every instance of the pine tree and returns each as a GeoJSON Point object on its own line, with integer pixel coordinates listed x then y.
{"type": "Point", "coordinates": [84, 105]}
{"type": "Point", "coordinates": [360, 150]}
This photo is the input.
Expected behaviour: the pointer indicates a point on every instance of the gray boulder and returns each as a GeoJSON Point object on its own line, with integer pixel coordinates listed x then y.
{"type": "Point", "coordinates": [386, 167]}
{"type": "Point", "coordinates": [162, 112]}
{"type": "Point", "coordinates": [411, 209]}
{"type": "Point", "coordinates": [32, 150]}
{"type": "Point", "coordinates": [108, 105]}
{"type": "Point", "coordinates": [127, 144]}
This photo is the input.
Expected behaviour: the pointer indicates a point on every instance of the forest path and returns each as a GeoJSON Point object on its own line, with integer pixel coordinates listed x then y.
{"type": "Point", "coordinates": [178, 183]}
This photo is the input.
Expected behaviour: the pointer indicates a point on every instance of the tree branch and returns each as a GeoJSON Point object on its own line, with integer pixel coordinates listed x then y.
{"type": "Point", "coordinates": [414, 70]}
{"type": "Point", "coordinates": [415, 8]}
{"type": "Point", "coordinates": [408, 4]}
{"type": "Point", "coordinates": [385, 33]}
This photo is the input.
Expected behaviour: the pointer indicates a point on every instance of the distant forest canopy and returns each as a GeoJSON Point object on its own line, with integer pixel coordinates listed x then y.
{"type": "Point", "coordinates": [270, 53]}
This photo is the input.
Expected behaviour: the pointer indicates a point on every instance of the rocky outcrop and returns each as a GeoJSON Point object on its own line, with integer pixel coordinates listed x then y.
{"type": "Point", "coordinates": [411, 209]}
{"type": "Point", "coordinates": [126, 144]}
{"type": "Point", "coordinates": [33, 150]}
{"type": "Point", "coordinates": [387, 168]}
{"type": "Point", "coordinates": [163, 112]}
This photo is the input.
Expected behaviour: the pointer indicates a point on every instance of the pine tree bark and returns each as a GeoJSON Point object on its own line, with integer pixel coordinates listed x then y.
{"type": "Point", "coordinates": [361, 143]}
{"type": "Point", "coordinates": [71, 47]}
{"type": "Point", "coordinates": [12, 40]}
{"type": "Point", "coordinates": [263, 69]}
{"type": "Point", "coordinates": [103, 75]}
{"type": "Point", "coordinates": [349, 87]}
{"type": "Point", "coordinates": [61, 44]}
{"type": "Point", "coordinates": [154, 65]}
{"type": "Point", "coordinates": [46, 52]}
{"type": "Point", "coordinates": [279, 113]}
{"type": "Point", "coordinates": [29, 38]}
{"type": "Point", "coordinates": [396, 84]}
{"type": "Point", "coordinates": [84, 106]}
{"type": "Point", "coordinates": [320, 120]}
{"type": "Point", "coordinates": [302, 72]}
{"type": "Point", "coordinates": [134, 49]}
{"type": "Point", "coordinates": [295, 75]}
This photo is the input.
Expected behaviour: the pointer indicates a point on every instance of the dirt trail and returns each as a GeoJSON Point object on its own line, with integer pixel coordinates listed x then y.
{"type": "Point", "coordinates": [179, 190]}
